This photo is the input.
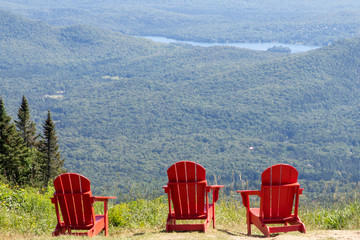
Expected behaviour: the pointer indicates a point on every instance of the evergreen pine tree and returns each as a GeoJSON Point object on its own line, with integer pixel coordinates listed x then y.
{"type": "Point", "coordinates": [49, 148]}
{"type": "Point", "coordinates": [27, 130]}
{"type": "Point", "coordinates": [25, 126]}
{"type": "Point", "coordinates": [5, 122]}
{"type": "Point", "coordinates": [14, 155]}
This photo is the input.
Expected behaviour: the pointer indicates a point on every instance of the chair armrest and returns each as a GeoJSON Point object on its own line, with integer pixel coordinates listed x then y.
{"type": "Point", "coordinates": [249, 192]}
{"type": "Point", "coordinates": [282, 185]}
{"type": "Point", "coordinates": [166, 189]}
{"type": "Point", "coordinates": [245, 196]}
{"type": "Point", "coordinates": [215, 189]}
{"type": "Point", "coordinates": [103, 199]}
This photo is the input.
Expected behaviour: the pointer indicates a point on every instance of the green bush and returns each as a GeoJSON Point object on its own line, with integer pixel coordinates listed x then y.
{"type": "Point", "coordinates": [230, 212]}
{"type": "Point", "coordinates": [337, 216]}
{"type": "Point", "coordinates": [26, 210]}
{"type": "Point", "coordinates": [139, 214]}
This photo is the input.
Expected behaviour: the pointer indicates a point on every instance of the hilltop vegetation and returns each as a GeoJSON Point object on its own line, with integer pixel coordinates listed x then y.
{"type": "Point", "coordinates": [28, 158]}
{"type": "Point", "coordinates": [126, 108]}
{"type": "Point", "coordinates": [308, 22]}
{"type": "Point", "coordinates": [28, 213]}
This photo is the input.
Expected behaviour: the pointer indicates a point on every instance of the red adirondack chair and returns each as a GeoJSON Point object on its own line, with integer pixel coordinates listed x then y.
{"type": "Point", "coordinates": [279, 189]}
{"type": "Point", "coordinates": [74, 198]}
{"type": "Point", "coordinates": [188, 191]}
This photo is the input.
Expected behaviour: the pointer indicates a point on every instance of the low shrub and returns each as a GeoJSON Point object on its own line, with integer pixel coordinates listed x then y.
{"type": "Point", "coordinates": [139, 214]}
{"type": "Point", "coordinates": [342, 215]}
{"type": "Point", "coordinates": [26, 210]}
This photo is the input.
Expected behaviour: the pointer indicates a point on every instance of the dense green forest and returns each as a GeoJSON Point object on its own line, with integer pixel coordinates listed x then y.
{"type": "Point", "coordinates": [127, 108]}
{"type": "Point", "coordinates": [306, 22]}
{"type": "Point", "coordinates": [26, 157]}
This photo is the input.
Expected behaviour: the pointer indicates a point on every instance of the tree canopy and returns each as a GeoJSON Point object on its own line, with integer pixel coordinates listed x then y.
{"type": "Point", "coordinates": [127, 108]}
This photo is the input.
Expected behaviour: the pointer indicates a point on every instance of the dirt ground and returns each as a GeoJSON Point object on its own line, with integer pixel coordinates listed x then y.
{"type": "Point", "coordinates": [233, 235]}
{"type": "Point", "coordinates": [329, 234]}
{"type": "Point", "coordinates": [212, 234]}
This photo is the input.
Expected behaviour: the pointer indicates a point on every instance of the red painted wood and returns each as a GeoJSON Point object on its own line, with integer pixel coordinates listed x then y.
{"type": "Point", "coordinates": [73, 197]}
{"type": "Point", "coordinates": [201, 188]}
{"type": "Point", "coordinates": [289, 175]}
{"type": "Point", "coordinates": [191, 187]}
{"type": "Point", "coordinates": [174, 189]}
{"type": "Point", "coordinates": [187, 190]}
{"type": "Point", "coordinates": [279, 190]}
{"type": "Point", "coordinates": [171, 172]}
{"type": "Point", "coordinates": [183, 193]}
{"type": "Point", "coordinates": [175, 197]}
{"type": "Point", "coordinates": [200, 196]}
{"type": "Point", "coordinates": [191, 171]}
{"type": "Point", "coordinates": [200, 173]}
{"type": "Point", "coordinates": [278, 202]}
{"type": "Point", "coordinates": [76, 188]}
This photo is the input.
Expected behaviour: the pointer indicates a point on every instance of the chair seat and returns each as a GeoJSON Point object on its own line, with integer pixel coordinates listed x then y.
{"type": "Point", "coordinates": [100, 220]}
{"type": "Point", "coordinates": [256, 213]}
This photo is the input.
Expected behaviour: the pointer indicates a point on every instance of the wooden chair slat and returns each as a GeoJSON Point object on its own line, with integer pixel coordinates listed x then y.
{"type": "Point", "coordinates": [187, 184]}
{"type": "Point", "coordinates": [279, 190]}
{"type": "Point", "coordinates": [74, 198]}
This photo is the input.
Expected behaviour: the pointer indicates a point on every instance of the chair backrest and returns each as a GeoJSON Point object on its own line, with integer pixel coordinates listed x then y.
{"type": "Point", "coordinates": [279, 187]}
{"type": "Point", "coordinates": [187, 183]}
{"type": "Point", "coordinates": [73, 194]}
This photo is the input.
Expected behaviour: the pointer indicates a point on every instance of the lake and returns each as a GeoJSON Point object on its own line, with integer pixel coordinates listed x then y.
{"type": "Point", "coordinates": [295, 48]}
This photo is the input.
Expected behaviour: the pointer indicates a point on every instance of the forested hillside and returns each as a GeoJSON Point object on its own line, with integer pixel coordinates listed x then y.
{"type": "Point", "coordinates": [306, 22]}
{"type": "Point", "coordinates": [126, 108]}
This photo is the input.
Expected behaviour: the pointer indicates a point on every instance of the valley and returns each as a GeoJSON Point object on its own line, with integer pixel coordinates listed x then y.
{"type": "Point", "coordinates": [127, 108]}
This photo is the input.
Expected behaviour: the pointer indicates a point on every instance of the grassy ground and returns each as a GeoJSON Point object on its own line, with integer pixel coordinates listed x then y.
{"type": "Point", "coordinates": [211, 234]}
{"type": "Point", "coordinates": [29, 214]}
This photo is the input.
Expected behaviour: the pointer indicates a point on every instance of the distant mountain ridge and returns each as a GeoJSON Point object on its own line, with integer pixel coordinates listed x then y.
{"type": "Point", "coordinates": [131, 107]}
{"type": "Point", "coordinates": [307, 22]}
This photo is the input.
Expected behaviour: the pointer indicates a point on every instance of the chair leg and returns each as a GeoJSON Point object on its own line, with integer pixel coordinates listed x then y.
{"type": "Point", "coordinates": [264, 229]}
{"type": "Point", "coordinates": [170, 222]}
{"type": "Point", "coordinates": [106, 223]}
{"type": "Point", "coordinates": [106, 230]}
{"type": "Point", "coordinates": [248, 223]}
{"type": "Point", "coordinates": [213, 215]}
{"type": "Point", "coordinates": [58, 230]}
{"type": "Point", "coordinates": [249, 228]}
{"type": "Point", "coordinates": [205, 227]}
{"type": "Point", "coordinates": [303, 229]}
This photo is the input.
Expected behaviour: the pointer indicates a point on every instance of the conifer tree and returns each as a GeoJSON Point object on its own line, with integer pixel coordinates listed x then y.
{"type": "Point", "coordinates": [27, 130]}
{"type": "Point", "coordinates": [25, 126]}
{"type": "Point", "coordinates": [52, 163]}
{"type": "Point", "coordinates": [5, 121]}
{"type": "Point", "coordinates": [14, 155]}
